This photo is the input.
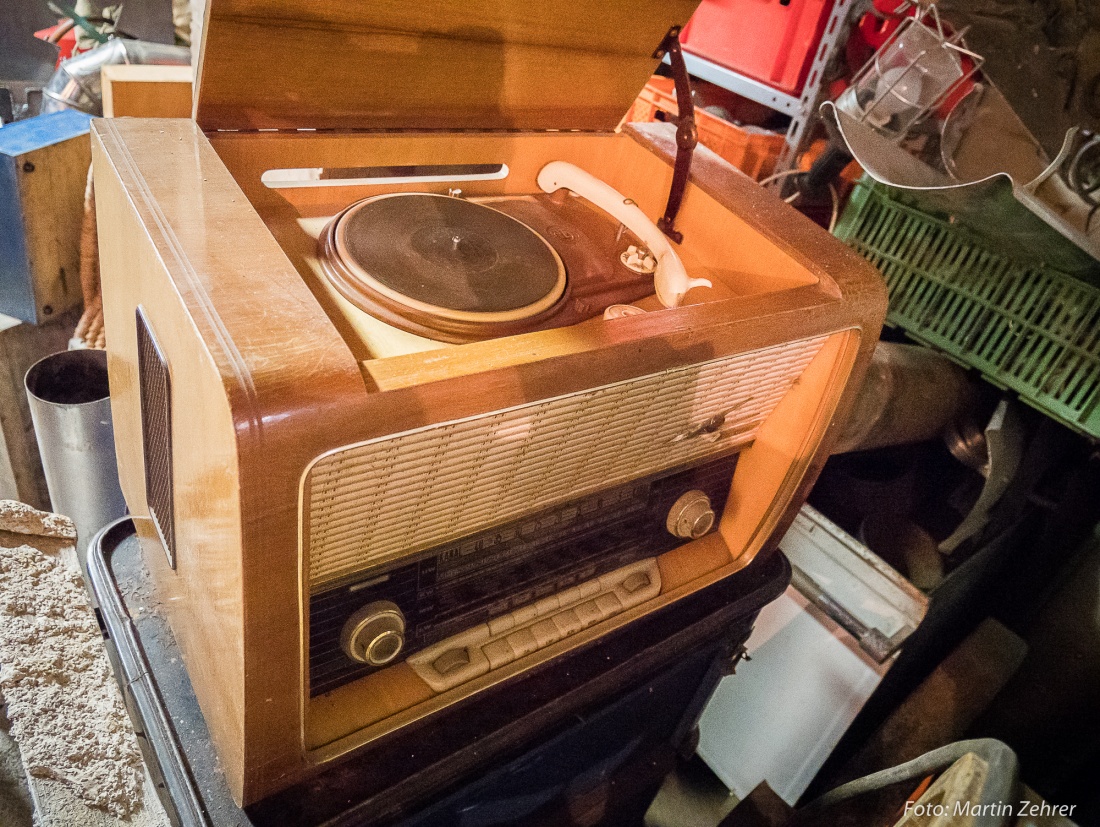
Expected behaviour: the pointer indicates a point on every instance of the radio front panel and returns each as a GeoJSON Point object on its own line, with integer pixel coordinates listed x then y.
{"type": "Point", "coordinates": [379, 501]}
{"type": "Point", "coordinates": [416, 541]}
{"type": "Point", "coordinates": [491, 574]}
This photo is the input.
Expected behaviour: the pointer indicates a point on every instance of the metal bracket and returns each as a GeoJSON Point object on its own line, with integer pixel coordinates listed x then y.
{"type": "Point", "coordinates": [740, 654]}
{"type": "Point", "coordinates": [1004, 438]}
{"type": "Point", "coordinates": [870, 640]}
{"type": "Point", "coordinates": [815, 90]}
{"type": "Point", "coordinates": [687, 137]}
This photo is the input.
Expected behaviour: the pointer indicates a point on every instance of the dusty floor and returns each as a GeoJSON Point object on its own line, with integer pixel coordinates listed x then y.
{"type": "Point", "coordinates": [16, 808]}
{"type": "Point", "coordinates": [68, 752]}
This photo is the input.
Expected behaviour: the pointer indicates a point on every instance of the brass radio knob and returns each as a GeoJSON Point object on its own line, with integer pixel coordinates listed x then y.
{"type": "Point", "coordinates": [374, 634]}
{"type": "Point", "coordinates": [691, 516]}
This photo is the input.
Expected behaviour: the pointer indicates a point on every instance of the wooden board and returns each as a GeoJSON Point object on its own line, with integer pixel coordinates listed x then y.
{"type": "Point", "coordinates": [337, 64]}
{"type": "Point", "coordinates": [146, 91]}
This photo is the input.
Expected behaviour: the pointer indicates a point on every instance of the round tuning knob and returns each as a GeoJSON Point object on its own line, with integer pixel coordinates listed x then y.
{"type": "Point", "coordinates": [375, 634]}
{"type": "Point", "coordinates": [690, 516]}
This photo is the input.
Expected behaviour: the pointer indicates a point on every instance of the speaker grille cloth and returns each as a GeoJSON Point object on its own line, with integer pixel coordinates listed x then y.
{"type": "Point", "coordinates": [156, 434]}
{"type": "Point", "coordinates": [369, 503]}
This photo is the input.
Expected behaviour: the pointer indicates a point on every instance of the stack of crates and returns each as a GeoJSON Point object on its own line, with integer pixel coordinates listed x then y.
{"type": "Point", "coordinates": [1026, 326]}
{"type": "Point", "coordinates": [751, 149]}
{"type": "Point", "coordinates": [773, 41]}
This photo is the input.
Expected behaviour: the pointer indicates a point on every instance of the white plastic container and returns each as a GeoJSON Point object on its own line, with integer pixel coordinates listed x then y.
{"type": "Point", "coordinates": [784, 711]}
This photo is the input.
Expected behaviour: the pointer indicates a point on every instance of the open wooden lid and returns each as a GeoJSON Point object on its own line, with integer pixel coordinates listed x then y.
{"type": "Point", "coordinates": [427, 64]}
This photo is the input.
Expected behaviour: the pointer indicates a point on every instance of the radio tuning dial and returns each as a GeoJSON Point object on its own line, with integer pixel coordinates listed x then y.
{"type": "Point", "coordinates": [691, 516]}
{"type": "Point", "coordinates": [375, 634]}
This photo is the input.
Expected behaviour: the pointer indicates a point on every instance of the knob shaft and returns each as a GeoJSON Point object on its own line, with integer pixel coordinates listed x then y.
{"type": "Point", "coordinates": [691, 516]}
{"type": "Point", "coordinates": [375, 634]}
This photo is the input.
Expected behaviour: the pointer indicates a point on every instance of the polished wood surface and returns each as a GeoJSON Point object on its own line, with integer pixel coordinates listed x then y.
{"type": "Point", "coordinates": [431, 65]}
{"type": "Point", "coordinates": [252, 358]}
{"type": "Point", "coordinates": [146, 91]}
{"type": "Point", "coordinates": [681, 566]}
{"type": "Point", "coordinates": [267, 377]}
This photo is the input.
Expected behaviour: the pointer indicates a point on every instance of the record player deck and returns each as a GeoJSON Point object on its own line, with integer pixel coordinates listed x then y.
{"type": "Point", "coordinates": [417, 397]}
{"type": "Point", "coordinates": [457, 270]}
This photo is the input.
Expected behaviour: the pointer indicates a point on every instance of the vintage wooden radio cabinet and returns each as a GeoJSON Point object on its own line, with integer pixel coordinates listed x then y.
{"type": "Point", "coordinates": [390, 447]}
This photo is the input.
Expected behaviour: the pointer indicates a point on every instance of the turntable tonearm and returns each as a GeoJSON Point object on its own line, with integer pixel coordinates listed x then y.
{"type": "Point", "coordinates": [385, 452]}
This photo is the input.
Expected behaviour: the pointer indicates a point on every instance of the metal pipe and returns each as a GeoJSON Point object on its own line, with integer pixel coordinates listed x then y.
{"type": "Point", "coordinates": [71, 410]}
{"type": "Point", "coordinates": [911, 394]}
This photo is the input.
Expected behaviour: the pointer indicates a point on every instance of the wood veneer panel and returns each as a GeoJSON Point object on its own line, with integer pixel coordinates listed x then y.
{"type": "Point", "coordinates": [480, 64]}
{"type": "Point", "coordinates": [147, 91]}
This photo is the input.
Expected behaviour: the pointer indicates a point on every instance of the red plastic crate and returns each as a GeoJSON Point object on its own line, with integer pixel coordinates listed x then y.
{"type": "Point", "coordinates": [65, 45]}
{"type": "Point", "coordinates": [763, 39]}
{"type": "Point", "coordinates": [749, 148]}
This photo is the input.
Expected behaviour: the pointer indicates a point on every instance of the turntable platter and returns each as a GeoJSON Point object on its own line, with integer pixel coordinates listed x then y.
{"type": "Point", "coordinates": [448, 269]}
{"type": "Point", "coordinates": [448, 257]}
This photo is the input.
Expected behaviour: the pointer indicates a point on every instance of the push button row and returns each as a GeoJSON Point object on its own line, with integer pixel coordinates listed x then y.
{"type": "Point", "coordinates": [509, 637]}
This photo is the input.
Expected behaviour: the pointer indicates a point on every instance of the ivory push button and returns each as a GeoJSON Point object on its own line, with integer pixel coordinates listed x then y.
{"type": "Point", "coordinates": [588, 613]}
{"type": "Point", "coordinates": [525, 614]}
{"type": "Point", "coordinates": [500, 625]}
{"type": "Point", "coordinates": [608, 604]}
{"type": "Point", "coordinates": [569, 596]}
{"type": "Point", "coordinates": [637, 580]}
{"type": "Point", "coordinates": [545, 632]}
{"type": "Point", "coordinates": [451, 661]}
{"type": "Point", "coordinates": [548, 605]}
{"type": "Point", "coordinates": [567, 622]}
{"type": "Point", "coordinates": [499, 653]}
{"type": "Point", "coordinates": [522, 642]}
{"type": "Point", "coordinates": [589, 588]}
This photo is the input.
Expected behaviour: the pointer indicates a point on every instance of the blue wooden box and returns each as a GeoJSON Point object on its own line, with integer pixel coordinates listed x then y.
{"type": "Point", "coordinates": [43, 173]}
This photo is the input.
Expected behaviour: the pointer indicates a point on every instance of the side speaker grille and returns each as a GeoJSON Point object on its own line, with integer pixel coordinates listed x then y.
{"type": "Point", "coordinates": [366, 504]}
{"type": "Point", "coordinates": [156, 434]}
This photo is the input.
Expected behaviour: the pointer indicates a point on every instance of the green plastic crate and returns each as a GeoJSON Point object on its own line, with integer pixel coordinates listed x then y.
{"type": "Point", "coordinates": [1025, 326]}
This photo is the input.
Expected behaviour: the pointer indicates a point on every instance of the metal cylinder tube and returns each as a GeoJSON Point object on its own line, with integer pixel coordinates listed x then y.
{"type": "Point", "coordinates": [911, 394]}
{"type": "Point", "coordinates": [71, 410]}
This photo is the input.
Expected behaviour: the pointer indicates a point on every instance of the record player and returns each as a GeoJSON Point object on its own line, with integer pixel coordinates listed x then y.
{"type": "Point", "coordinates": [411, 397]}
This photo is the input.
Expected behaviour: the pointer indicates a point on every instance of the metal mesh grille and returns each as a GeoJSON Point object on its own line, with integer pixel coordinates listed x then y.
{"type": "Point", "coordinates": [369, 503]}
{"type": "Point", "coordinates": [156, 434]}
{"type": "Point", "coordinates": [1026, 326]}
